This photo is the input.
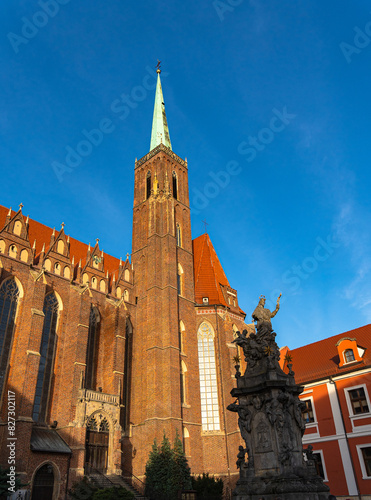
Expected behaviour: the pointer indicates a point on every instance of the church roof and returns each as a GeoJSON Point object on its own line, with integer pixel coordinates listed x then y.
{"type": "Point", "coordinates": [42, 234]}
{"type": "Point", "coordinates": [48, 441]}
{"type": "Point", "coordinates": [209, 274]}
{"type": "Point", "coordinates": [160, 130]}
{"type": "Point", "coordinates": [321, 359]}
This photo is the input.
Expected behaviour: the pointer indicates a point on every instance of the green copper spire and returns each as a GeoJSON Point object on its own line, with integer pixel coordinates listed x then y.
{"type": "Point", "coordinates": [160, 130]}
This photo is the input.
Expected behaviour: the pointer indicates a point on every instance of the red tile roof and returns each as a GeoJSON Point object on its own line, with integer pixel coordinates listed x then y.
{"type": "Point", "coordinates": [209, 274]}
{"type": "Point", "coordinates": [42, 234]}
{"type": "Point", "coordinates": [321, 359]}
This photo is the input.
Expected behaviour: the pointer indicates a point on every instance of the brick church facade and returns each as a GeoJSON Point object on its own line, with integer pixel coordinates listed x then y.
{"type": "Point", "coordinates": [102, 356]}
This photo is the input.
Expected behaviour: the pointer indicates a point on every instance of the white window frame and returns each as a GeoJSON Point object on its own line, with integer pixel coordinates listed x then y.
{"type": "Point", "coordinates": [315, 422]}
{"type": "Point", "coordinates": [320, 452]}
{"type": "Point", "coordinates": [345, 362]}
{"type": "Point", "coordinates": [360, 458]}
{"type": "Point", "coordinates": [352, 416]}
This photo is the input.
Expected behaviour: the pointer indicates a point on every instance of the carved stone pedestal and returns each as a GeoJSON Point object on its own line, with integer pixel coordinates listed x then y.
{"type": "Point", "coordinates": [272, 426]}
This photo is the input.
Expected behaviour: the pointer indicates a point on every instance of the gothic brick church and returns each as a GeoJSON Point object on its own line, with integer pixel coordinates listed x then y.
{"type": "Point", "coordinates": [103, 356]}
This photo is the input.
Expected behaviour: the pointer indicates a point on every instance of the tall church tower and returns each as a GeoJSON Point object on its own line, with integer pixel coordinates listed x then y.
{"type": "Point", "coordinates": [163, 268]}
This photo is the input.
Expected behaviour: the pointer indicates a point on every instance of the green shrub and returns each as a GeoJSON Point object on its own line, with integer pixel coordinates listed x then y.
{"type": "Point", "coordinates": [113, 494]}
{"type": "Point", "coordinates": [83, 490]}
{"type": "Point", "coordinates": [208, 488]}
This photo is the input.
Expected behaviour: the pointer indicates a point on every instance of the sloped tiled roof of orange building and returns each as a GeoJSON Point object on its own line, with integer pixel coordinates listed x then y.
{"type": "Point", "coordinates": [321, 359]}
{"type": "Point", "coordinates": [209, 274]}
{"type": "Point", "coordinates": [42, 234]}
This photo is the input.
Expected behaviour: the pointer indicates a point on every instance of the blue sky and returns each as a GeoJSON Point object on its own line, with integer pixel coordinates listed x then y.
{"type": "Point", "coordinates": [269, 102]}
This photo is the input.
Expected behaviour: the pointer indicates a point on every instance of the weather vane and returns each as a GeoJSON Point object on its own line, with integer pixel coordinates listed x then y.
{"type": "Point", "coordinates": [158, 69]}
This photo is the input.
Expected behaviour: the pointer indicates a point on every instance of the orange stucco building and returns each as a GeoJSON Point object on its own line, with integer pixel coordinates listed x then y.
{"type": "Point", "coordinates": [336, 375]}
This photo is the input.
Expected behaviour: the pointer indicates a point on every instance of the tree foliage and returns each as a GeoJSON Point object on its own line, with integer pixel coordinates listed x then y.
{"type": "Point", "coordinates": [208, 488]}
{"type": "Point", "coordinates": [4, 485]}
{"type": "Point", "coordinates": [167, 470]}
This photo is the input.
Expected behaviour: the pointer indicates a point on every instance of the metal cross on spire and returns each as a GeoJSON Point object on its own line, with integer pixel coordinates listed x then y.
{"type": "Point", "coordinates": [206, 224]}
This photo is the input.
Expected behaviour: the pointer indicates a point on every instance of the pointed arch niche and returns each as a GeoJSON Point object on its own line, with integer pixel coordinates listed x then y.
{"type": "Point", "coordinates": [181, 336]}
{"type": "Point", "coordinates": [208, 381]}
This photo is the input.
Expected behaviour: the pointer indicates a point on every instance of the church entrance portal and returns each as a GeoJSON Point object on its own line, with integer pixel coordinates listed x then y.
{"type": "Point", "coordinates": [97, 441]}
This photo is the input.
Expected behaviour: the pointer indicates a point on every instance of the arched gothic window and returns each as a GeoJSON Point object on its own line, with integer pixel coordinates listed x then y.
{"type": "Point", "coordinates": [47, 347]}
{"type": "Point", "coordinates": [91, 348]}
{"type": "Point", "coordinates": [208, 380]}
{"type": "Point", "coordinates": [148, 185]}
{"type": "Point", "coordinates": [127, 374]}
{"type": "Point", "coordinates": [9, 295]}
{"type": "Point", "coordinates": [175, 186]}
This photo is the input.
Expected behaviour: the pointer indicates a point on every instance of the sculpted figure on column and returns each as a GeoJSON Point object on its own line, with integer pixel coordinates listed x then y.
{"type": "Point", "coordinates": [263, 317]}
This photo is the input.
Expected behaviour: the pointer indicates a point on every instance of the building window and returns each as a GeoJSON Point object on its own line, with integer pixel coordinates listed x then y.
{"type": "Point", "coordinates": [349, 355]}
{"type": "Point", "coordinates": [319, 465]}
{"type": "Point", "coordinates": [50, 310]}
{"type": "Point", "coordinates": [175, 186]}
{"type": "Point", "coordinates": [358, 401]}
{"type": "Point", "coordinates": [13, 251]}
{"type": "Point", "coordinates": [208, 381]}
{"type": "Point", "coordinates": [94, 320]}
{"type": "Point", "coordinates": [307, 412]}
{"type": "Point", "coordinates": [9, 295]}
{"type": "Point", "coordinates": [178, 236]}
{"type": "Point", "coordinates": [148, 185]}
{"type": "Point", "coordinates": [127, 374]}
{"type": "Point", "coordinates": [366, 455]}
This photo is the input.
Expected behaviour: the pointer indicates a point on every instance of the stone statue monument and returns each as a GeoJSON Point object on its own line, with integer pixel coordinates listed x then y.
{"type": "Point", "coordinates": [271, 423]}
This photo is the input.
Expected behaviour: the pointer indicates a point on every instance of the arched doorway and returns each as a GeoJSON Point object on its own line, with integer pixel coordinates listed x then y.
{"type": "Point", "coordinates": [97, 441]}
{"type": "Point", "coordinates": [43, 484]}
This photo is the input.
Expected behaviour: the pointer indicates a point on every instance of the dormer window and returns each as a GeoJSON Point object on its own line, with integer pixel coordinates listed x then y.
{"type": "Point", "coordinates": [349, 351]}
{"type": "Point", "coordinates": [349, 355]}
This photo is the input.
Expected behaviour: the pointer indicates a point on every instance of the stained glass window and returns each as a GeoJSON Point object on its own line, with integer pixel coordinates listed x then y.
{"type": "Point", "coordinates": [208, 380]}
{"type": "Point", "coordinates": [90, 354]}
{"type": "Point", "coordinates": [50, 310]}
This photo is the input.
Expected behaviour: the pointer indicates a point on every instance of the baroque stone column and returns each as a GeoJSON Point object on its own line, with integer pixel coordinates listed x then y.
{"type": "Point", "coordinates": [271, 423]}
